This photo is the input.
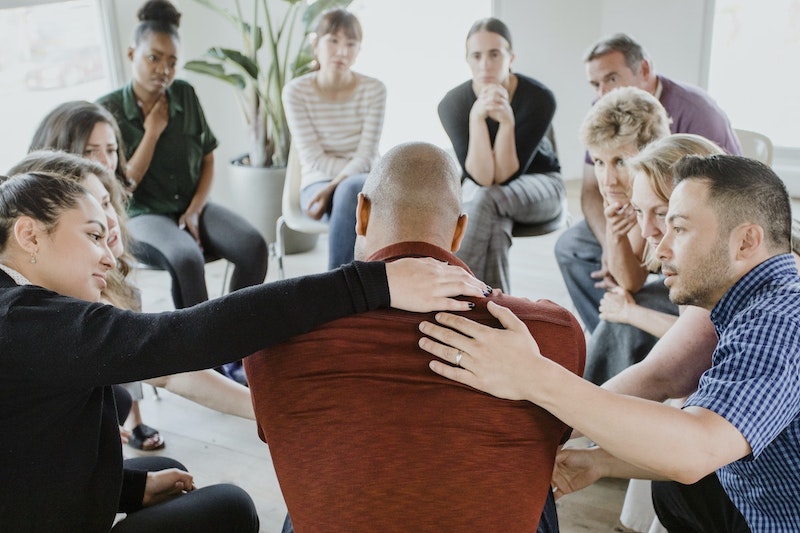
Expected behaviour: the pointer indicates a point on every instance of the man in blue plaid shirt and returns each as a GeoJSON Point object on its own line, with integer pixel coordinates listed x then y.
{"type": "Point", "coordinates": [727, 249]}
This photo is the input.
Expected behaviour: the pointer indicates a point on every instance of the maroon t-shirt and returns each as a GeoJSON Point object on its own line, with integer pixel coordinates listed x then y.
{"type": "Point", "coordinates": [365, 437]}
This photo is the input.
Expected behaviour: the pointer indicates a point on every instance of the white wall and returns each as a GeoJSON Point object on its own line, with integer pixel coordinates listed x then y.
{"type": "Point", "coordinates": [550, 38]}
{"type": "Point", "coordinates": [200, 29]}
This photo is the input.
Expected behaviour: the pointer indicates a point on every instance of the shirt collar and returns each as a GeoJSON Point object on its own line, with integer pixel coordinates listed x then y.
{"type": "Point", "coordinates": [18, 278]}
{"type": "Point", "coordinates": [777, 270]}
{"type": "Point", "coordinates": [417, 249]}
{"type": "Point", "coordinates": [659, 89]}
{"type": "Point", "coordinates": [130, 105]}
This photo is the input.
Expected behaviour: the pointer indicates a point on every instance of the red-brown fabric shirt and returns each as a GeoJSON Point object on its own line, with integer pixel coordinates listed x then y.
{"type": "Point", "coordinates": [365, 437]}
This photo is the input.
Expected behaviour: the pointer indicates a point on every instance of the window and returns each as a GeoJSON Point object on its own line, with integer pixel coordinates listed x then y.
{"type": "Point", "coordinates": [49, 54]}
{"type": "Point", "coordinates": [753, 74]}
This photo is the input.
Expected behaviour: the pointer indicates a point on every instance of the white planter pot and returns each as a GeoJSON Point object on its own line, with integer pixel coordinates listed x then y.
{"type": "Point", "coordinates": [256, 193]}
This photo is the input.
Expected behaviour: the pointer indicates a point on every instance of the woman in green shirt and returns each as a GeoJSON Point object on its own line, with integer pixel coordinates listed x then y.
{"type": "Point", "coordinates": [170, 151]}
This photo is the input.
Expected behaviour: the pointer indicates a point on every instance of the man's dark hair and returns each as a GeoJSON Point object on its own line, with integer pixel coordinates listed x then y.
{"type": "Point", "coordinates": [743, 191]}
{"type": "Point", "coordinates": [622, 43]}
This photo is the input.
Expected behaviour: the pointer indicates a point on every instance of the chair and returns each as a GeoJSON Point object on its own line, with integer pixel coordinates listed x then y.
{"type": "Point", "coordinates": [755, 145]}
{"type": "Point", "coordinates": [293, 216]}
{"type": "Point", "coordinates": [543, 228]}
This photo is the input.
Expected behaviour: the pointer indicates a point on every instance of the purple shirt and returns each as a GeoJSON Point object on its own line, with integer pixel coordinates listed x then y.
{"type": "Point", "coordinates": [692, 110]}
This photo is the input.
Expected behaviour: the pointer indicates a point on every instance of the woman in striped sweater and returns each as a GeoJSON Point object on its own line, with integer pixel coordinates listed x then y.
{"type": "Point", "coordinates": [336, 117]}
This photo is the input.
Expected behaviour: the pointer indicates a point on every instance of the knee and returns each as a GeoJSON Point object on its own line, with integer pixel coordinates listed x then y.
{"type": "Point", "coordinates": [350, 187]}
{"type": "Point", "coordinates": [183, 260]}
{"type": "Point", "coordinates": [483, 207]}
{"type": "Point", "coordinates": [236, 505]}
{"type": "Point", "coordinates": [565, 246]}
{"type": "Point", "coordinates": [255, 246]}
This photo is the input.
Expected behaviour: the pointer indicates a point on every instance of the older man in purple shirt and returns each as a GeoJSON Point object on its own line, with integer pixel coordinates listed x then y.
{"type": "Point", "coordinates": [619, 61]}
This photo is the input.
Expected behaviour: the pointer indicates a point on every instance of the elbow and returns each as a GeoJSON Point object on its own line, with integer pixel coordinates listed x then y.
{"type": "Point", "coordinates": [630, 285]}
{"type": "Point", "coordinates": [689, 476]}
{"type": "Point", "coordinates": [633, 281]}
{"type": "Point", "coordinates": [694, 466]}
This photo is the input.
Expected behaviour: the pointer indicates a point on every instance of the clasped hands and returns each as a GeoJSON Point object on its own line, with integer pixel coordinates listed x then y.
{"type": "Point", "coordinates": [493, 103]}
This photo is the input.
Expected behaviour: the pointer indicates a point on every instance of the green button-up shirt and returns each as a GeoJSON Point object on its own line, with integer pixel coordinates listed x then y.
{"type": "Point", "coordinates": [169, 184]}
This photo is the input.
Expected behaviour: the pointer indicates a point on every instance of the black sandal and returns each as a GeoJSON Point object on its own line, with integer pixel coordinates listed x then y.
{"type": "Point", "coordinates": [141, 434]}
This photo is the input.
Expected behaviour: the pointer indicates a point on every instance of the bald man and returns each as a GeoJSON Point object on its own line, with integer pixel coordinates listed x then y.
{"type": "Point", "coordinates": [363, 436]}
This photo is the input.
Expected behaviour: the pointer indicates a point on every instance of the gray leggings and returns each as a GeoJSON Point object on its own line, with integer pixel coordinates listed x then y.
{"type": "Point", "coordinates": [223, 234]}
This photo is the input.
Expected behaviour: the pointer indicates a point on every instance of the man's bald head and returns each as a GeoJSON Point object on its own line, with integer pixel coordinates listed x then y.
{"type": "Point", "coordinates": [412, 194]}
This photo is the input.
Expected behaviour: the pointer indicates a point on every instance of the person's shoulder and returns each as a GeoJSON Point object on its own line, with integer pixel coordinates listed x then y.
{"type": "Point", "coordinates": [537, 311]}
{"type": "Point", "coordinates": [557, 332]}
{"type": "Point", "coordinates": [302, 82]}
{"type": "Point", "coordinates": [533, 88]}
{"type": "Point", "coordinates": [113, 98]}
{"type": "Point", "coordinates": [460, 90]}
{"type": "Point", "coordinates": [531, 83]}
{"type": "Point", "coordinates": [686, 92]}
{"type": "Point", "coordinates": [301, 85]}
{"type": "Point", "coordinates": [369, 88]}
{"type": "Point", "coordinates": [459, 93]}
{"type": "Point", "coordinates": [181, 87]}
{"type": "Point", "coordinates": [369, 82]}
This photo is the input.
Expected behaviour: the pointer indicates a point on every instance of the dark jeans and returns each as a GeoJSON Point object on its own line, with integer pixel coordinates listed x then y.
{"type": "Point", "coordinates": [578, 254]}
{"type": "Point", "coordinates": [341, 217]}
{"type": "Point", "coordinates": [702, 507]}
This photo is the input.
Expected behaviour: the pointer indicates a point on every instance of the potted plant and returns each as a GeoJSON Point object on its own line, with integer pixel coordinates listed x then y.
{"type": "Point", "coordinates": [274, 51]}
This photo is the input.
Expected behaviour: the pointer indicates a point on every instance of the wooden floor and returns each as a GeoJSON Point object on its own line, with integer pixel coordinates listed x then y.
{"type": "Point", "coordinates": [222, 448]}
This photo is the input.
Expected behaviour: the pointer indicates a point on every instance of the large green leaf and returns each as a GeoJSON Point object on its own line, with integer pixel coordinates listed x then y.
{"type": "Point", "coordinates": [216, 70]}
{"type": "Point", "coordinates": [247, 64]}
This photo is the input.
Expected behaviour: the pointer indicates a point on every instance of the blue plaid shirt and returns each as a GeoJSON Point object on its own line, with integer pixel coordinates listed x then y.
{"type": "Point", "coordinates": [754, 383]}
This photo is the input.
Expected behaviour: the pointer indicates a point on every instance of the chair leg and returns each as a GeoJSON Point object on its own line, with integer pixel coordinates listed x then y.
{"type": "Point", "coordinates": [225, 277]}
{"type": "Point", "coordinates": [280, 246]}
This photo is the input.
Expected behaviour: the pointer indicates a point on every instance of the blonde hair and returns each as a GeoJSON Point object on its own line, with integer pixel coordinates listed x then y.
{"type": "Point", "coordinates": [655, 162]}
{"type": "Point", "coordinates": [626, 115]}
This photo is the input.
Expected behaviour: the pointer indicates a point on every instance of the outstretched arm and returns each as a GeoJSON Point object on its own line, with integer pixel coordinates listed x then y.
{"type": "Point", "coordinates": [209, 389]}
{"type": "Point", "coordinates": [673, 367]}
{"type": "Point", "coordinates": [617, 305]}
{"type": "Point", "coordinates": [577, 468]}
{"type": "Point", "coordinates": [684, 445]}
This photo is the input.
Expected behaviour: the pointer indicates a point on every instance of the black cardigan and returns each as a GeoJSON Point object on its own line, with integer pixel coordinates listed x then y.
{"type": "Point", "coordinates": [60, 451]}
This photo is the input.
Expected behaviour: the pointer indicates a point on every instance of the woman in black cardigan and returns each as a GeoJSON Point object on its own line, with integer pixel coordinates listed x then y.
{"type": "Point", "coordinates": [60, 453]}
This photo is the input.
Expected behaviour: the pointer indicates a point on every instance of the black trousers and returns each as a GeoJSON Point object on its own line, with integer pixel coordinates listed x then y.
{"type": "Point", "coordinates": [702, 507]}
{"type": "Point", "coordinates": [212, 509]}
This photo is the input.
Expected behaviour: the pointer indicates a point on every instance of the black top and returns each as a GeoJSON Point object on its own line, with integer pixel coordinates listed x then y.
{"type": "Point", "coordinates": [60, 451]}
{"type": "Point", "coordinates": [534, 106]}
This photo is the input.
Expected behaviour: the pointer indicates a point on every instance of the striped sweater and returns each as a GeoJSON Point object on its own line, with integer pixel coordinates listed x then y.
{"type": "Point", "coordinates": [334, 138]}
